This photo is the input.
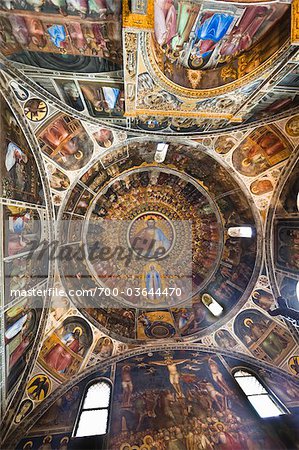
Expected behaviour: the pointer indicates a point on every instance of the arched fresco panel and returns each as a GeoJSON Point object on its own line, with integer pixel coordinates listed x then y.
{"type": "Point", "coordinates": [21, 323]}
{"type": "Point", "coordinates": [168, 399]}
{"type": "Point", "coordinates": [262, 149]}
{"type": "Point", "coordinates": [223, 42]}
{"type": "Point", "coordinates": [263, 337]}
{"type": "Point", "coordinates": [19, 173]}
{"type": "Point", "coordinates": [64, 350]}
{"type": "Point", "coordinates": [65, 141]}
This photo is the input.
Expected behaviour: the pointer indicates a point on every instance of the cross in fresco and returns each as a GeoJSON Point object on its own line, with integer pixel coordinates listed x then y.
{"type": "Point", "coordinates": [174, 376]}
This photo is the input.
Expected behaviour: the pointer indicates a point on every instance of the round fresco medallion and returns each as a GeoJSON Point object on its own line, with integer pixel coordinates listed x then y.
{"type": "Point", "coordinates": [292, 126]}
{"type": "Point", "coordinates": [39, 387]}
{"type": "Point", "coordinates": [35, 109]}
{"type": "Point", "coordinates": [151, 235]}
{"type": "Point", "coordinates": [159, 330]}
{"type": "Point", "coordinates": [293, 364]}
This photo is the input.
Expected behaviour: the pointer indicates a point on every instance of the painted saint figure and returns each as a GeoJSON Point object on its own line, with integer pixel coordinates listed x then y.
{"type": "Point", "coordinates": [174, 376]}
{"type": "Point", "coordinates": [58, 36]}
{"type": "Point", "coordinates": [273, 344]}
{"type": "Point", "coordinates": [58, 358]}
{"type": "Point", "coordinates": [212, 28]}
{"type": "Point", "coordinates": [152, 239]}
{"type": "Point", "coordinates": [187, 15]}
{"type": "Point", "coordinates": [165, 21]}
{"type": "Point", "coordinates": [14, 155]}
{"type": "Point", "coordinates": [127, 385]}
{"type": "Point", "coordinates": [153, 283]}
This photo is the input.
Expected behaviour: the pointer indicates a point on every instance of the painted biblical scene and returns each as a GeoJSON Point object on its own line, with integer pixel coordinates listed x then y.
{"type": "Point", "coordinates": [289, 196]}
{"type": "Point", "coordinates": [59, 181]}
{"type": "Point", "coordinates": [104, 9]}
{"type": "Point", "coordinates": [261, 186]}
{"type": "Point", "coordinates": [224, 339]}
{"type": "Point", "coordinates": [19, 173]}
{"type": "Point", "coordinates": [288, 289]}
{"type": "Point", "coordinates": [103, 99]}
{"type": "Point", "coordinates": [263, 337]}
{"type": "Point", "coordinates": [263, 299]}
{"type": "Point", "coordinates": [118, 321]}
{"type": "Point", "coordinates": [22, 273]}
{"type": "Point", "coordinates": [60, 416]}
{"type": "Point", "coordinates": [52, 430]}
{"type": "Point", "coordinates": [66, 142]}
{"type": "Point", "coordinates": [31, 36]}
{"type": "Point", "coordinates": [286, 245]}
{"type": "Point", "coordinates": [83, 203]}
{"type": "Point", "coordinates": [225, 41]}
{"type": "Point", "coordinates": [21, 323]}
{"type": "Point", "coordinates": [64, 350]}
{"type": "Point", "coordinates": [181, 400]}
{"type": "Point", "coordinates": [22, 230]}
{"type": "Point", "coordinates": [70, 92]}
{"type": "Point", "coordinates": [104, 347]}
{"type": "Point", "coordinates": [286, 388]}
{"type": "Point", "coordinates": [262, 149]}
{"type": "Point", "coordinates": [274, 102]}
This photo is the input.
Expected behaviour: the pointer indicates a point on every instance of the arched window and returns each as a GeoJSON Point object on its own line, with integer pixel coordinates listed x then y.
{"type": "Point", "coordinates": [239, 232]}
{"type": "Point", "coordinates": [94, 411]}
{"type": "Point", "coordinates": [214, 307]}
{"type": "Point", "coordinates": [262, 401]}
{"type": "Point", "coordinates": [161, 152]}
{"type": "Point", "coordinates": [297, 290]}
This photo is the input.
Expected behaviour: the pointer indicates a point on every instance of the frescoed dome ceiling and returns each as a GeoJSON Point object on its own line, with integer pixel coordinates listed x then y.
{"type": "Point", "coordinates": [141, 200]}
{"type": "Point", "coordinates": [205, 36]}
{"type": "Point", "coordinates": [123, 123]}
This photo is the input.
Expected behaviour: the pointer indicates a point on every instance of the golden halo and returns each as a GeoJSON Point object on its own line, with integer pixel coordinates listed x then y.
{"type": "Point", "coordinates": [247, 322]}
{"type": "Point", "coordinates": [79, 155]}
{"type": "Point", "coordinates": [246, 162]}
{"type": "Point", "coordinates": [125, 445]}
{"type": "Point", "coordinates": [256, 295]}
{"type": "Point", "coordinates": [148, 439]}
{"type": "Point", "coordinates": [219, 423]}
{"type": "Point", "coordinates": [78, 329]}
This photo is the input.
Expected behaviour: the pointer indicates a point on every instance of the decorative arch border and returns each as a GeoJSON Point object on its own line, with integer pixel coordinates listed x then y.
{"type": "Point", "coordinates": [49, 209]}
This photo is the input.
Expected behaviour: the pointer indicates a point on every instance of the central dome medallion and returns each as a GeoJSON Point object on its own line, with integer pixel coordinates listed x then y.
{"type": "Point", "coordinates": [151, 235]}
{"type": "Point", "coordinates": [157, 254]}
{"type": "Point", "coordinates": [164, 234]}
